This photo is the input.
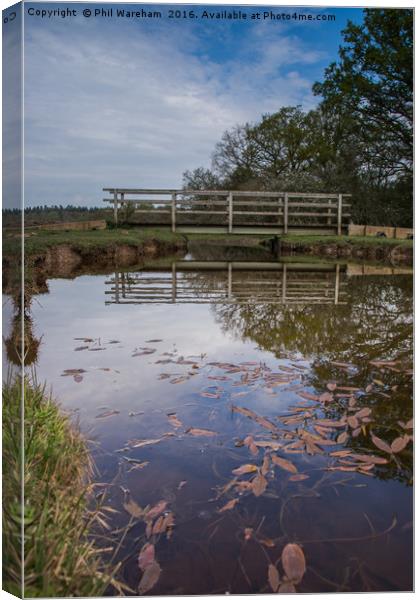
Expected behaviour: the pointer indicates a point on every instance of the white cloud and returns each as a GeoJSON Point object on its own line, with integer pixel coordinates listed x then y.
{"type": "Point", "coordinates": [121, 106]}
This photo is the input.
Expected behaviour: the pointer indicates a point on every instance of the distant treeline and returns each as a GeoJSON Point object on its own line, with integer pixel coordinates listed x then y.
{"type": "Point", "coordinates": [358, 140]}
{"type": "Point", "coordinates": [39, 215]}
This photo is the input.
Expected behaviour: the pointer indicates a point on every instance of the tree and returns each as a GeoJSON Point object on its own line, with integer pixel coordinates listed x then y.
{"type": "Point", "coordinates": [372, 85]}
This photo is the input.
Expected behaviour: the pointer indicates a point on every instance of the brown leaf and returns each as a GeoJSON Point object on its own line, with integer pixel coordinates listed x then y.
{"type": "Point", "coordinates": [146, 556]}
{"type": "Point", "coordinates": [156, 510]}
{"type": "Point", "coordinates": [298, 477]}
{"type": "Point", "coordinates": [174, 421]}
{"type": "Point", "coordinates": [248, 468]}
{"type": "Point", "coordinates": [364, 412]}
{"type": "Point", "coordinates": [331, 386]}
{"type": "Point", "coordinates": [133, 509]}
{"type": "Point", "coordinates": [259, 484]}
{"type": "Point", "coordinates": [266, 465]}
{"type": "Point", "coordinates": [108, 413]}
{"type": "Point", "coordinates": [353, 422]}
{"type": "Point", "coordinates": [399, 444]}
{"type": "Point", "coordinates": [381, 444]}
{"type": "Point", "coordinates": [286, 588]}
{"type": "Point", "coordinates": [196, 431]}
{"type": "Point", "coordinates": [229, 505]}
{"type": "Point", "coordinates": [326, 397]}
{"type": "Point", "coordinates": [249, 442]}
{"type": "Point", "coordinates": [284, 463]}
{"type": "Point", "coordinates": [273, 577]}
{"type": "Point", "coordinates": [150, 577]}
{"type": "Point", "coordinates": [308, 396]}
{"type": "Point", "coordinates": [293, 561]}
{"type": "Point", "coordinates": [342, 437]}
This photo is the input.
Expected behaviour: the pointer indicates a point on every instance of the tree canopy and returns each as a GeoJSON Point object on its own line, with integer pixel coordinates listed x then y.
{"type": "Point", "coordinates": [358, 140]}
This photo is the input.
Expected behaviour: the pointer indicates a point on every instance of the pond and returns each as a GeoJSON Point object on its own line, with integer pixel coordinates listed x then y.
{"type": "Point", "coordinates": [235, 407]}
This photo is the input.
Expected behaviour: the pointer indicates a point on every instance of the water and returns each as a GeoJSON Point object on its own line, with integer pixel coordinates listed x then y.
{"type": "Point", "coordinates": [195, 340]}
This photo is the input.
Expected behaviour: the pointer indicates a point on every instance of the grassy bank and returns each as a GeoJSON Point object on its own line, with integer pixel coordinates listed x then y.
{"type": "Point", "coordinates": [105, 244]}
{"type": "Point", "coordinates": [345, 240]}
{"type": "Point", "coordinates": [37, 242]}
{"type": "Point", "coordinates": [61, 558]}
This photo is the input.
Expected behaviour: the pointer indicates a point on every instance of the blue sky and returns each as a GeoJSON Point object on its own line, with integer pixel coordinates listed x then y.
{"type": "Point", "coordinates": [135, 102]}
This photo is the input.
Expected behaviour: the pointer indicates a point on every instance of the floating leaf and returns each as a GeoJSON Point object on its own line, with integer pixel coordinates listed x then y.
{"type": "Point", "coordinates": [364, 412]}
{"type": "Point", "coordinates": [249, 442]}
{"type": "Point", "coordinates": [258, 484]}
{"type": "Point", "coordinates": [133, 509]}
{"type": "Point", "coordinates": [108, 413]}
{"type": "Point", "coordinates": [146, 556]}
{"type": "Point", "coordinates": [174, 421]}
{"type": "Point", "coordinates": [286, 588]}
{"type": "Point", "coordinates": [298, 477]}
{"type": "Point", "coordinates": [342, 437]}
{"type": "Point", "coordinates": [181, 485]}
{"type": "Point", "coordinates": [326, 397]}
{"type": "Point", "coordinates": [150, 577]}
{"type": "Point", "coordinates": [266, 465]}
{"type": "Point", "coordinates": [273, 577]}
{"type": "Point", "coordinates": [244, 469]}
{"type": "Point", "coordinates": [381, 444]}
{"type": "Point", "coordinates": [156, 510]}
{"type": "Point", "coordinates": [284, 463]}
{"type": "Point", "coordinates": [399, 444]}
{"type": "Point", "coordinates": [229, 505]}
{"type": "Point", "coordinates": [331, 386]}
{"type": "Point", "coordinates": [353, 422]}
{"type": "Point", "coordinates": [197, 431]}
{"type": "Point", "coordinates": [293, 561]}
{"type": "Point", "coordinates": [179, 380]}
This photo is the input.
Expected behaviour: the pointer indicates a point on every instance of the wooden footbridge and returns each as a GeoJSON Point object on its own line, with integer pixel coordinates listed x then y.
{"type": "Point", "coordinates": [218, 211]}
{"type": "Point", "coordinates": [230, 282]}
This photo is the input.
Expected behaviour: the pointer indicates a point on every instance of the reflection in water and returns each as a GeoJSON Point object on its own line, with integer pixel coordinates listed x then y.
{"type": "Point", "coordinates": [241, 282]}
{"type": "Point", "coordinates": [303, 362]}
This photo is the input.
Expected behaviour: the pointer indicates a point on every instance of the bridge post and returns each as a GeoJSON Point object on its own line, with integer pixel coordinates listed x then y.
{"type": "Point", "coordinates": [173, 213]}
{"type": "Point", "coordinates": [339, 213]}
{"type": "Point", "coordinates": [115, 207]}
{"type": "Point", "coordinates": [286, 213]}
{"type": "Point", "coordinates": [230, 212]}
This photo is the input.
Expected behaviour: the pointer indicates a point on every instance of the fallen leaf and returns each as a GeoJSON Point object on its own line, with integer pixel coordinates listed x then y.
{"type": "Point", "coordinates": [258, 484]}
{"type": "Point", "coordinates": [146, 556]}
{"type": "Point", "coordinates": [298, 477]}
{"type": "Point", "coordinates": [249, 442]}
{"type": "Point", "coordinates": [331, 386]}
{"type": "Point", "coordinates": [181, 485]}
{"type": "Point", "coordinates": [229, 505]}
{"type": "Point", "coordinates": [286, 588]}
{"type": "Point", "coordinates": [156, 510]}
{"type": "Point", "coordinates": [196, 431]}
{"type": "Point", "coordinates": [293, 561]}
{"type": "Point", "coordinates": [108, 413]}
{"type": "Point", "coordinates": [399, 444]}
{"type": "Point", "coordinates": [273, 577]}
{"type": "Point", "coordinates": [284, 463]}
{"type": "Point", "coordinates": [174, 421]}
{"type": "Point", "coordinates": [381, 444]}
{"type": "Point", "coordinates": [150, 577]}
{"type": "Point", "coordinates": [342, 437]}
{"type": "Point", "coordinates": [133, 509]}
{"type": "Point", "coordinates": [248, 468]}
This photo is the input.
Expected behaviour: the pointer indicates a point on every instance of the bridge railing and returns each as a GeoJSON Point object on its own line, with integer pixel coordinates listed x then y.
{"type": "Point", "coordinates": [233, 210]}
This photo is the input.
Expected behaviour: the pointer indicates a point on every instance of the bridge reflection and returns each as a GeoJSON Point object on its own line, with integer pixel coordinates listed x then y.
{"type": "Point", "coordinates": [238, 282]}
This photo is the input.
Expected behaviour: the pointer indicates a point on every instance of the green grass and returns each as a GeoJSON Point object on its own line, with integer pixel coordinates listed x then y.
{"type": "Point", "coordinates": [37, 242]}
{"type": "Point", "coordinates": [60, 515]}
{"type": "Point", "coordinates": [344, 240]}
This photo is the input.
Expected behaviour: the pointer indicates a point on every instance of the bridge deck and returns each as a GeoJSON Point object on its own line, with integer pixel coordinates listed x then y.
{"type": "Point", "coordinates": [223, 211]}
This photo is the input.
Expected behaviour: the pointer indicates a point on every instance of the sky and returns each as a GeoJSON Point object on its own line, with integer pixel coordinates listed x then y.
{"type": "Point", "coordinates": [134, 102]}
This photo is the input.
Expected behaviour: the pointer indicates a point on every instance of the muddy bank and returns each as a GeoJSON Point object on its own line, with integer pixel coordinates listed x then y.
{"type": "Point", "coordinates": [390, 254]}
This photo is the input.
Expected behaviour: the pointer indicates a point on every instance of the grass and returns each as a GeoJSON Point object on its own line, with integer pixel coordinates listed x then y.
{"type": "Point", "coordinates": [344, 240]}
{"type": "Point", "coordinates": [61, 556]}
{"type": "Point", "coordinates": [37, 242]}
